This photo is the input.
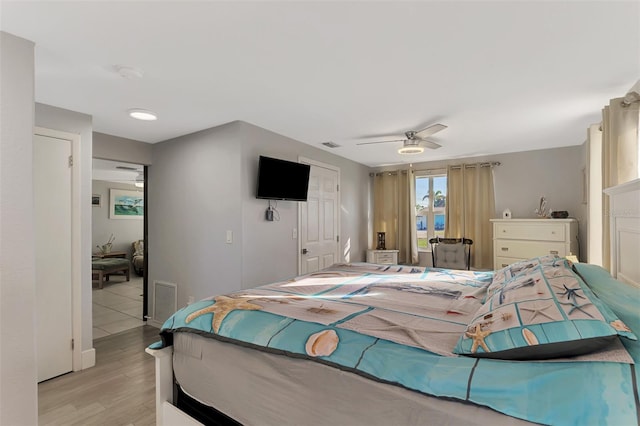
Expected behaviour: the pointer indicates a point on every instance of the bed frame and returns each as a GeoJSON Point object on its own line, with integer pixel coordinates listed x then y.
{"type": "Point", "coordinates": [625, 244]}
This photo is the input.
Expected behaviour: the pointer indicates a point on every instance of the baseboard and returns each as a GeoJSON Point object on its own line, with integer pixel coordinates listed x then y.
{"type": "Point", "coordinates": [88, 358]}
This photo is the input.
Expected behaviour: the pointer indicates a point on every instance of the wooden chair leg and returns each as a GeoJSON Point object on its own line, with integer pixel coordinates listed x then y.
{"type": "Point", "coordinates": [100, 277]}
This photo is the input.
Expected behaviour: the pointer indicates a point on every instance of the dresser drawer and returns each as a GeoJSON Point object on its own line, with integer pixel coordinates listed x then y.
{"type": "Point", "coordinates": [531, 231]}
{"type": "Point", "coordinates": [528, 249]}
{"type": "Point", "coordinates": [385, 258]}
{"type": "Point", "coordinates": [502, 262]}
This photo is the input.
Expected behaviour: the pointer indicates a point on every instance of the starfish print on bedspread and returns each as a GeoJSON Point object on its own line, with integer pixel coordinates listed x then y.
{"type": "Point", "coordinates": [571, 293]}
{"type": "Point", "coordinates": [575, 306]}
{"type": "Point", "coordinates": [221, 308]}
{"type": "Point", "coordinates": [413, 333]}
{"type": "Point", "coordinates": [535, 310]}
{"type": "Point", "coordinates": [478, 338]}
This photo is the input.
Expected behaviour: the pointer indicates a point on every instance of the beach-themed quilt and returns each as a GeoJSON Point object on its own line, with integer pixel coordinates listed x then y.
{"type": "Point", "coordinates": [400, 325]}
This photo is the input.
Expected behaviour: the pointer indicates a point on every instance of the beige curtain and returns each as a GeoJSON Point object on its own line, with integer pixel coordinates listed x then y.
{"type": "Point", "coordinates": [470, 205]}
{"type": "Point", "coordinates": [620, 145]}
{"type": "Point", "coordinates": [394, 213]}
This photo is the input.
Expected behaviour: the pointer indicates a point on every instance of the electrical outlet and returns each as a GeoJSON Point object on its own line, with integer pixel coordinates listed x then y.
{"type": "Point", "coordinates": [191, 300]}
{"type": "Point", "coordinates": [294, 233]}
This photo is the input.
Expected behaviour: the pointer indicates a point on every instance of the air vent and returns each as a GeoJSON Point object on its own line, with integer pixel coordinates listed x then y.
{"type": "Point", "coordinates": [127, 168]}
{"type": "Point", "coordinates": [330, 144]}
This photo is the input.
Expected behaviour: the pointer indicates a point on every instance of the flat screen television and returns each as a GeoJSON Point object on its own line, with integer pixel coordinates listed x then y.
{"type": "Point", "coordinates": [282, 180]}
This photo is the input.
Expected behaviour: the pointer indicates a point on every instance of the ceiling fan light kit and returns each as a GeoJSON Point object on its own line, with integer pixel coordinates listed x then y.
{"type": "Point", "coordinates": [411, 149]}
{"type": "Point", "coordinates": [139, 182]}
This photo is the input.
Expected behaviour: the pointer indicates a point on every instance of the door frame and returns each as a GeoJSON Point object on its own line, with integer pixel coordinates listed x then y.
{"type": "Point", "coordinates": [76, 240]}
{"type": "Point", "coordinates": [309, 161]}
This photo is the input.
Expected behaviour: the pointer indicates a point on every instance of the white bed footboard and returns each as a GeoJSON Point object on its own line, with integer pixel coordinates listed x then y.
{"type": "Point", "coordinates": [167, 413]}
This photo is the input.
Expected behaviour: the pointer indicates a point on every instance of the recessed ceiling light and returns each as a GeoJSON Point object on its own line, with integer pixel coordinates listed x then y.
{"type": "Point", "coordinates": [142, 114]}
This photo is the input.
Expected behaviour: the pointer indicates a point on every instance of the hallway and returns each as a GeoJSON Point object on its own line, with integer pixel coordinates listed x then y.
{"type": "Point", "coordinates": [118, 306]}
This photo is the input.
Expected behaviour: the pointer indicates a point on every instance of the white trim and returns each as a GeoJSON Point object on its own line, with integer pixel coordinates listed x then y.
{"type": "Point", "coordinates": [88, 358]}
{"type": "Point", "coordinates": [76, 240]}
{"type": "Point", "coordinates": [624, 214]}
{"type": "Point", "coordinates": [336, 169]}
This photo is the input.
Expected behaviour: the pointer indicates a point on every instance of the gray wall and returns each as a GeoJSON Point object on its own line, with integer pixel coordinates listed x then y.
{"type": "Point", "coordinates": [203, 184]}
{"type": "Point", "coordinates": [125, 231]}
{"type": "Point", "coordinates": [108, 147]}
{"type": "Point", "coordinates": [269, 251]}
{"type": "Point", "coordinates": [18, 368]}
{"type": "Point", "coordinates": [523, 177]}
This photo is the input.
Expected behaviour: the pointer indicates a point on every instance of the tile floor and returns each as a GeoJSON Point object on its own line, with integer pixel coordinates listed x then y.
{"type": "Point", "coordinates": [118, 306]}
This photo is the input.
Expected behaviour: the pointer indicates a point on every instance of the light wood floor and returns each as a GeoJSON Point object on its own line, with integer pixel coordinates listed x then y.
{"type": "Point", "coordinates": [119, 390]}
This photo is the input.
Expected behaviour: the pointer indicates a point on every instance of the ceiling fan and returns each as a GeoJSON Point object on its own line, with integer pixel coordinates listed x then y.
{"type": "Point", "coordinates": [415, 141]}
{"type": "Point", "coordinates": [139, 179]}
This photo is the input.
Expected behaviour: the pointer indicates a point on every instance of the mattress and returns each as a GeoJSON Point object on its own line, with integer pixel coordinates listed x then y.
{"type": "Point", "coordinates": [287, 390]}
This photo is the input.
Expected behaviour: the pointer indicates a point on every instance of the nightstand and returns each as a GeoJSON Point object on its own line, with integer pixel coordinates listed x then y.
{"type": "Point", "coordinates": [389, 257]}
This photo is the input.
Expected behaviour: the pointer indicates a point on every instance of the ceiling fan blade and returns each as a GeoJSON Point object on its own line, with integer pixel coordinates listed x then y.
{"type": "Point", "coordinates": [428, 131]}
{"type": "Point", "coordinates": [429, 144]}
{"type": "Point", "coordinates": [371, 143]}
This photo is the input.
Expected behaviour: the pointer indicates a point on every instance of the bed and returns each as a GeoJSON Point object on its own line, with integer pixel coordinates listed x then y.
{"type": "Point", "coordinates": [543, 341]}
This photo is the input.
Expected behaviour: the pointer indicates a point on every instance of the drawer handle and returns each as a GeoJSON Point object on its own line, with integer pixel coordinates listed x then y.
{"type": "Point", "coordinates": [504, 265]}
{"type": "Point", "coordinates": [553, 252]}
{"type": "Point", "coordinates": [504, 248]}
{"type": "Point", "coordinates": [504, 230]}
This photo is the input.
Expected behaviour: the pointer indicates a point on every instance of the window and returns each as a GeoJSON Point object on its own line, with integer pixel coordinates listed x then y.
{"type": "Point", "coordinates": [431, 200]}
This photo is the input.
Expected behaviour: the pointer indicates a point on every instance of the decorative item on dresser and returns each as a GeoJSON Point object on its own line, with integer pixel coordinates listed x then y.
{"type": "Point", "coordinates": [384, 257]}
{"type": "Point", "coordinates": [518, 239]}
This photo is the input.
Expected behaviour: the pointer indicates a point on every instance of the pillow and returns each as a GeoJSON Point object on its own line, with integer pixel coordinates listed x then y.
{"type": "Point", "coordinates": [502, 276]}
{"type": "Point", "coordinates": [543, 311]}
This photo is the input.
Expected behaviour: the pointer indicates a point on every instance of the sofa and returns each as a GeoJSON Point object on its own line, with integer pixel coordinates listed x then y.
{"type": "Point", "coordinates": [137, 257]}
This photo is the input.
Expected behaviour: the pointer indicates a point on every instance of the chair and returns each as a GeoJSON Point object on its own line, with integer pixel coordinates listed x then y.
{"type": "Point", "coordinates": [137, 256]}
{"type": "Point", "coordinates": [451, 253]}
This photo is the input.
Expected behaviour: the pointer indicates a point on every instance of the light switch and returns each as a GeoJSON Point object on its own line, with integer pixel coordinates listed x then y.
{"type": "Point", "coordinates": [294, 233]}
{"type": "Point", "coordinates": [229, 237]}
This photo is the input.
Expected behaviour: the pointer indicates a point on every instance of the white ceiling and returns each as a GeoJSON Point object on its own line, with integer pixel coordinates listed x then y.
{"type": "Point", "coordinates": [504, 76]}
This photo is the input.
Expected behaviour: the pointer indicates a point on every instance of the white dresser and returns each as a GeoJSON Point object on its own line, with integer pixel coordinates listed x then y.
{"type": "Point", "coordinates": [382, 256]}
{"type": "Point", "coordinates": [520, 239]}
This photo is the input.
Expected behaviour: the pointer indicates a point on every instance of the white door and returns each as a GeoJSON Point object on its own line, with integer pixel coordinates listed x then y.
{"type": "Point", "coordinates": [52, 204]}
{"type": "Point", "coordinates": [319, 221]}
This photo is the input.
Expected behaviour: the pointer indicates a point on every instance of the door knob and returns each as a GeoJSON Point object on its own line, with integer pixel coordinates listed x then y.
{"type": "Point", "coordinates": [305, 251]}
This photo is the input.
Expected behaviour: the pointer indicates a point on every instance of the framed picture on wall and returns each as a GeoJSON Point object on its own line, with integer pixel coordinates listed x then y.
{"type": "Point", "coordinates": [96, 200]}
{"type": "Point", "coordinates": [124, 204]}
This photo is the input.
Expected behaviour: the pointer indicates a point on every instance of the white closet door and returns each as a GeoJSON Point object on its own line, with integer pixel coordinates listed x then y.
{"type": "Point", "coordinates": [52, 199]}
{"type": "Point", "coordinates": [319, 221]}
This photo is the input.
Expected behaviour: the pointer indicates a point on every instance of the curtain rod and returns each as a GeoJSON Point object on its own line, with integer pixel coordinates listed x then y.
{"type": "Point", "coordinates": [470, 166]}
{"type": "Point", "coordinates": [389, 173]}
{"type": "Point", "coordinates": [440, 169]}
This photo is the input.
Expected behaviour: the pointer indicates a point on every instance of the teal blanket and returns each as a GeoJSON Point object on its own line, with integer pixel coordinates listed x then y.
{"type": "Point", "coordinates": [399, 324]}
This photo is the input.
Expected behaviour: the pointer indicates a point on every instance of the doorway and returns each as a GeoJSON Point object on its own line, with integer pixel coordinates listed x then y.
{"type": "Point", "coordinates": [119, 232]}
{"type": "Point", "coordinates": [319, 219]}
